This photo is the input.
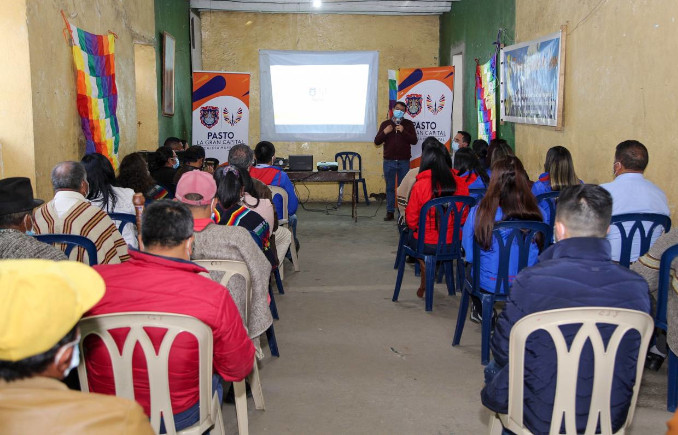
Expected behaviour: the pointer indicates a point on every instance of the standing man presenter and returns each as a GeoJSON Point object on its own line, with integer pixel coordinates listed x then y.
{"type": "Point", "coordinates": [398, 135]}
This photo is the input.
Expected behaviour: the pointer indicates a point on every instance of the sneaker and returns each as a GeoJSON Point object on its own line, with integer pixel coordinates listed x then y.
{"type": "Point", "coordinates": [476, 314]}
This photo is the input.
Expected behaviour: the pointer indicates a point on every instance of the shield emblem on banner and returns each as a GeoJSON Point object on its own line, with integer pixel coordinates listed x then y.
{"type": "Point", "coordinates": [209, 116]}
{"type": "Point", "coordinates": [413, 102]}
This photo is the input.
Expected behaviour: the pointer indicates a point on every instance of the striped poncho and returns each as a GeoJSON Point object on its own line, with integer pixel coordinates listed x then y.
{"type": "Point", "coordinates": [86, 220]}
{"type": "Point", "coordinates": [240, 216]}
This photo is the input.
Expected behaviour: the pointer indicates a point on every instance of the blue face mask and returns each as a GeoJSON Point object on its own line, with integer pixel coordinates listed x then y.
{"type": "Point", "coordinates": [176, 164]}
{"type": "Point", "coordinates": [455, 146]}
{"type": "Point", "coordinates": [398, 113]}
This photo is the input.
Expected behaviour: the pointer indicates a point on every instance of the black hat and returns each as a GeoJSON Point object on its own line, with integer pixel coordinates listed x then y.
{"type": "Point", "coordinates": [16, 194]}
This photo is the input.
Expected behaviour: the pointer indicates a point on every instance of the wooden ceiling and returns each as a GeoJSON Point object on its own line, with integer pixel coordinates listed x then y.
{"type": "Point", "coordinates": [364, 7]}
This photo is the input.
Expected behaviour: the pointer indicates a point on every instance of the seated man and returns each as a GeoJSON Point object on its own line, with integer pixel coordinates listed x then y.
{"type": "Point", "coordinates": [575, 272]}
{"type": "Point", "coordinates": [161, 278]}
{"type": "Point", "coordinates": [197, 191]}
{"type": "Point", "coordinates": [41, 303]}
{"type": "Point", "coordinates": [193, 159]}
{"type": "Point", "coordinates": [242, 157]}
{"type": "Point", "coordinates": [70, 213]}
{"type": "Point", "coordinates": [632, 193]}
{"type": "Point", "coordinates": [16, 207]}
{"type": "Point", "coordinates": [272, 176]}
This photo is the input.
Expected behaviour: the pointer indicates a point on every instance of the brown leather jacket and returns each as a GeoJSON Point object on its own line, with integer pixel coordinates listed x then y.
{"type": "Point", "coordinates": [45, 405]}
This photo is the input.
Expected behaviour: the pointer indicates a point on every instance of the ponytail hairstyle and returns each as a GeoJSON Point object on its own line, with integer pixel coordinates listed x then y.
{"type": "Point", "coordinates": [509, 189]}
{"type": "Point", "coordinates": [229, 186]}
{"type": "Point", "coordinates": [248, 185]}
{"type": "Point", "coordinates": [465, 160]}
{"type": "Point", "coordinates": [442, 182]}
{"type": "Point", "coordinates": [560, 167]}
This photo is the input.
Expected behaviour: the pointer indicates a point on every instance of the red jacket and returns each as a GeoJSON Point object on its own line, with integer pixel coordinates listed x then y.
{"type": "Point", "coordinates": [420, 195]}
{"type": "Point", "coordinates": [153, 283]}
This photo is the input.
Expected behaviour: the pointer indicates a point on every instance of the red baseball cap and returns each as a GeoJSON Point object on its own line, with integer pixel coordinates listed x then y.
{"type": "Point", "coordinates": [199, 182]}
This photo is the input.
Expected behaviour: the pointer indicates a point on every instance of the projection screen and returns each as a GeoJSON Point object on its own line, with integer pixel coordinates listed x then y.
{"type": "Point", "coordinates": [318, 96]}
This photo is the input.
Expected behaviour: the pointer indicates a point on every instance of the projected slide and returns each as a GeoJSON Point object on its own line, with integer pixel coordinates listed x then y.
{"type": "Point", "coordinates": [318, 96]}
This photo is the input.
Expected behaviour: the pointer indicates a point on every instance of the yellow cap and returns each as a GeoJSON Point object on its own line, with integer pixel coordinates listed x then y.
{"type": "Point", "coordinates": [41, 301]}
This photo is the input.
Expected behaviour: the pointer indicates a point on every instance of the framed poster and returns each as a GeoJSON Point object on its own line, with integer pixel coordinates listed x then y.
{"type": "Point", "coordinates": [168, 50]}
{"type": "Point", "coordinates": [532, 81]}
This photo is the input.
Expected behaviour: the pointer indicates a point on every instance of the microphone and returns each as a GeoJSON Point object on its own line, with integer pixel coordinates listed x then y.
{"type": "Point", "coordinates": [397, 123]}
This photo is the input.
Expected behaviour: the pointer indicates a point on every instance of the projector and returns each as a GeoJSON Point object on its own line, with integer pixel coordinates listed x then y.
{"type": "Point", "coordinates": [328, 166]}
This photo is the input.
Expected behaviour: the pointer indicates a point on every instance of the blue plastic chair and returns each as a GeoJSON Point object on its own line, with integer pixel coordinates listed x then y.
{"type": "Point", "coordinates": [124, 219]}
{"type": "Point", "coordinates": [661, 322]}
{"type": "Point", "coordinates": [522, 235]}
{"type": "Point", "coordinates": [71, 241]}
{"type": "Point", "coordinates": [346, 159]}
{"type": "Point", "coordinates": [628, 234]}
{"type": "Point", "coordinates": [446, 253]}
{"type": "Point", "coordinates": [549, 200]}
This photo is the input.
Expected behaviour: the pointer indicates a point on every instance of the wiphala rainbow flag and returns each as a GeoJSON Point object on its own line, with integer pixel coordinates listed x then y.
{"type": "Point", "coordinates": [486, 85]}
{"type": "Point", "coordinates": [94, 57]}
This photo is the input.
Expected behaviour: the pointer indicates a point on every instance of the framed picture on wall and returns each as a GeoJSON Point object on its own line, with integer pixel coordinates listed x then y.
{"type": "Point", "coordinates": [532, 81]}
{"type": "Point", "coordinates": [168, 51]}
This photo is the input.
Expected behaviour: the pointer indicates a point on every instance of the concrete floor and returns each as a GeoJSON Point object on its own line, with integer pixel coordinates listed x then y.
{"type": "Point", "coordinates": [353, 362]}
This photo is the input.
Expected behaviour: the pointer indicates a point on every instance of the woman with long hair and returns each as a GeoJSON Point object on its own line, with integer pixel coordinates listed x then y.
{"type": "Point", "coordinates": [106, 194]}
{"type": "Point", "coordinates": [435, 180]}
{"type": "Point", "coordinates": [480, 148]}
{"type": "Point", "coordinates": [133, 174]}
{"type": "Point", "coordinates": [508, 197]}
{"type": "Point", "coordinates": [470, 170]}
{"type": "Point", "coordinates": [163, 165]}
{"type": "Point", "coordinates": [558, 174]}
{"type": "Point", "coordinates": [232, 211]}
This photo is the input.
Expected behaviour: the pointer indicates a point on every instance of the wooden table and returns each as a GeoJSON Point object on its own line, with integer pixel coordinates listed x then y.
{"type": "Point", "coordinates": [330, 177]}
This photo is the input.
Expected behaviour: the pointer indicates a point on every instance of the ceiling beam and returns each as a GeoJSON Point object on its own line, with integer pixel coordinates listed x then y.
{"type": "Point", "coordinates": [387, 7]}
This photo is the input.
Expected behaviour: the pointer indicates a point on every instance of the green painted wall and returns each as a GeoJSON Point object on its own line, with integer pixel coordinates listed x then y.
{"type": "Point", "coordinates": [472, 25]}
{"type": "Point", "coordinates": [172, 16]}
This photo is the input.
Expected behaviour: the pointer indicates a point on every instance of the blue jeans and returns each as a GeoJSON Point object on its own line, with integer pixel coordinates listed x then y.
{"type": "Point", "coordinates": [191, 416]}
{"type": "Point", "coordinates": [393, 168]}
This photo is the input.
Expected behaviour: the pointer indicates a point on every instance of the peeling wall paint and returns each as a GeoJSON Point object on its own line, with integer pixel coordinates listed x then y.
{"type": "Point", "coordinates": [231, 42]}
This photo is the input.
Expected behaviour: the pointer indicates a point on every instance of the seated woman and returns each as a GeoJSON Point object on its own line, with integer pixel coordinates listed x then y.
{"type": "Point", "coordinates": [134, 174]}
{"type": "Point", "coordinates": [508, 198]}
{"type": "Point", "coordinates": [107, 195]}
{"type": "Point", "coordinates": [480, 148]}
{"type": "Point", "coordinates": [558, 174]}
{"type": "Point", "coordinates": [435, 180]}
{"type": "Point", "coordinates": [470, 171]}
{"type": "Point", "coordinates": [231, 210]}
{"type": "Point", "coordinates": [163, 166]}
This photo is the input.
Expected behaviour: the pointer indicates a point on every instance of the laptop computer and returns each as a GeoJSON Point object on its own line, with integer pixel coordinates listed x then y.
{"type": "Point", "coordinates": [301, 163]}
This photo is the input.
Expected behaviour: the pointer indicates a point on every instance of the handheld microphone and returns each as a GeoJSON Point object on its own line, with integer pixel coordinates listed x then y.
{"type": "Point", "coordinates": [397, 123]}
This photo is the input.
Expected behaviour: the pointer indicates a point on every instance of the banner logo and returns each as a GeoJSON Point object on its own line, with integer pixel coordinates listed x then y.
{"type": "Point", "coordinates": [413, 102]}
{"type": "Point", "coordinates": [209, 116]}
{"type": "Point", "coordinates": [232, 119]}
{"type": "Point", "coordinates": [435, 107]}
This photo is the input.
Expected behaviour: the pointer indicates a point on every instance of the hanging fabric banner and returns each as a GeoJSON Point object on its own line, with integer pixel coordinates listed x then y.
{"type": "Point", "coordinates": [97, 100]}
{"type": "Point", "coordinates": [486, 91]}
{"type": "Point", "coordinates": [392, 91]}
{"type": "Point", "coordinates": [428, 94]}
{"type": "Point", "coordinates": [221, 114]}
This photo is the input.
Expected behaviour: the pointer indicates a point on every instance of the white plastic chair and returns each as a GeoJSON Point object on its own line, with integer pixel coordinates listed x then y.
{"type": "Point", "coordinates": [231, 268]}
{"type": "Point", "coordinates": [284, 221]}
{"type": "Point", "coordinates": [158, 364]}
{"type": "Point", "coordinates": [568, 365]}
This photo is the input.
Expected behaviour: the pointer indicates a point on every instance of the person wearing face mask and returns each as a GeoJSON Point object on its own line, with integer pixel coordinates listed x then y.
{"type": "Point", "coordinates": [398, 135]}
{"type": "Point", "coordinates": [162, 278]}
{"type": "Point", "coordinates": [163, 165]}
{"type": "Point", "coordinates": [36, 354]}
{"type": "Point", "coordinates": [70, 213]}
{"type": "Point", "coordinates": [633, 193]}
{"type": "Point", "coordinates": [461, 140]}
{"type": "Point", "coordinates": [16, 223]}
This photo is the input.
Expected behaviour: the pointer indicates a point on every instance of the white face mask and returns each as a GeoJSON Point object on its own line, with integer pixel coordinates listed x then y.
{"type": "Point", "coordinates": [455, 146]}
{"type": "Point", "coordinates": [75, 356]}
